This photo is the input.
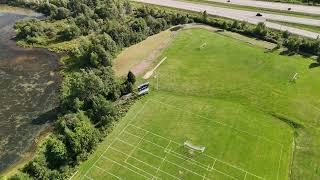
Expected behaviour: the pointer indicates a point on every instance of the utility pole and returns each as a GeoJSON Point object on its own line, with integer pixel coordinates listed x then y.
{"type": "Point", "coordinates": [157, 77]}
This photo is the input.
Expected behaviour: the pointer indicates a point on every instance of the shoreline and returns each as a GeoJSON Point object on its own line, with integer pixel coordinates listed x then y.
{"type": "Point", "coordinates": [40, 84]}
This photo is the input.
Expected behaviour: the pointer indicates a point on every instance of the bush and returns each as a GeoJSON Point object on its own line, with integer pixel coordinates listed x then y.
{"type": "Point", "coordinates": [70, 32]}
{"type": "Point", "coordinates": [131, 78]}
{"type": "Point", "coordinates": [79, 135]}
{"type": "Point", "coordinates": [55, 152]}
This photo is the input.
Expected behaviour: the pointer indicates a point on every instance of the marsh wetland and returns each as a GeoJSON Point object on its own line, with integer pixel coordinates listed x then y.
{"type": "Point", "coordinates": [28, 87]}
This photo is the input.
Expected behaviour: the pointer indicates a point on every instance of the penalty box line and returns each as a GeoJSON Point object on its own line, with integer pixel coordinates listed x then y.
{"type": "Point", "coordinates": [104, 157]}
{"type": "Point", "coordinates": [115, 138]}
{"type": "Point", "coordinates": [180, 156]}
{"type": "Point", "coordinates": [195, 173]}
{"type": "Point", "coordinates": [213, 158]}
{"type": "Point", "coordinates": [154, 176]}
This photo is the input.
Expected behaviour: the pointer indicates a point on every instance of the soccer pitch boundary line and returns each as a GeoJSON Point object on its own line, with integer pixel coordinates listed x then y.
{"type": "Point", "coordinates": [279, 163]}
{"type": "Point", "coordinates": [203, 154]}
{"type": "Point", "coordinates": [107, 172]}
{"type": "Point", "coordinates": [145, 164]}
{"type": "Point", "coordinates": [162, 158]}
{"type": "Point", "coordinates": [218, 122]}
{"type": "Point", "coordinates": [104, 157]}
{"type": "Point", "coordinates": [115, 138]}
{"type": "Point", "coordinates": [178, 155]}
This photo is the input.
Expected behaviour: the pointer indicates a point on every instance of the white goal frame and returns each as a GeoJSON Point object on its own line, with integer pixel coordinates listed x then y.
{"type": "Point", "coordinates": [191, 146]}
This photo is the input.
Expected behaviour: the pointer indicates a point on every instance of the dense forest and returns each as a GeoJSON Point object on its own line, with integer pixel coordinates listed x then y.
{"type": "Point", "coordinates": [89, 34]}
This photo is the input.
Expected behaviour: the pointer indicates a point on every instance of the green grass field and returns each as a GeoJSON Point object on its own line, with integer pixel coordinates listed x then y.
{"type": "Point", "coordinates": [233, 98]}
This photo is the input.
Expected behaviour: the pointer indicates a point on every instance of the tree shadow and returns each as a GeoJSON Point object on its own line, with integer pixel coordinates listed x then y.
{"type": "Point", "coordinates": [287, 53]}
{"type": "Point", "coordinates": [314, 65]}
{"type": "Point", "coordinates": [46, 117]}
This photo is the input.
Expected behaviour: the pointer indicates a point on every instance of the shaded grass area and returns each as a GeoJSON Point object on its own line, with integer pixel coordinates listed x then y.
{"type": "Point", "coordinates": [233, 98]}
{"type": "Point", "coordinates": [256, 9]}
{"type": "Point", "coordinates": [300, 26]}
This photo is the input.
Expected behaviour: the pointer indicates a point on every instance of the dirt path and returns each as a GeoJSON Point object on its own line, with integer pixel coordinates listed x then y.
{"type": "Point", "coordinates": [145, 64]}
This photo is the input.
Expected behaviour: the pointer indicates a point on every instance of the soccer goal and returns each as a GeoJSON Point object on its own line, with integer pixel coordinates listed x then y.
{"type": "Point", "coordinates": [192, 147]}
{"type": "Point", "coordinates": [294, 77]}
{"type": "Point", "coordinates": [203, 46]}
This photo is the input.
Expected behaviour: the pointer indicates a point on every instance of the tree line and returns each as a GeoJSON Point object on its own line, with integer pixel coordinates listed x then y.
{"type": "Point", "coordinates": [90, 92]}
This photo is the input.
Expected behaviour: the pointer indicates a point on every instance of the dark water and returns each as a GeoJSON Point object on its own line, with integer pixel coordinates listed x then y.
{"type": "Point", "coordinates": [28, 93]}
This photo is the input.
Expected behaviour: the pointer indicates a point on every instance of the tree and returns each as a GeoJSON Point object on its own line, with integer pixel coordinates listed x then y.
{"type": "Point", "coordinates": [79, 134]}
{"type": "Point", "coordinates": [20, 176]}
{"type": "Point", "coordinates": [286, 34]}
{"type": "Point", "coordinates": [205, 16]}
{"type": "Point", "coordinates": [261, 30]}
{"type": "Point", "coordinates": [55, 152]}
{"type": "Point", "coordinates": [102, 111]}
{"type": "Point", "coordinates": [28, 29]}
{"type": "Point", "coordinates": [61, 13]}
{"type": "Point", "coordinates": [37, 168]}
{"type": "Point", "coordinates": [139, 25]}
{"type": "Point", "coordinates": [293, 44]}
{"type": "Point", "coordinates": [70, 32]}
{"type": "Point", "coordinates": [131, 77]}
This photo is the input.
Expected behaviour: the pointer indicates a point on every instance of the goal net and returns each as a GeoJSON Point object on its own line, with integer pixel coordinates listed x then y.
{"type": "Point", "coordinates": [193, 147]}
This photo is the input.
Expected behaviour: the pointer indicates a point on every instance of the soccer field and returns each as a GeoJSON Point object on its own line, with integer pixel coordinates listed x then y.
{"type": "Point", "coordinates": [151, 146]}
{"type": "Point", "coordinates": [228, 97]}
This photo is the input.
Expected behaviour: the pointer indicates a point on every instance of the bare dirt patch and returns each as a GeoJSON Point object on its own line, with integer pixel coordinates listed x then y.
{"type": "Point", "coordinates": [139, 58]}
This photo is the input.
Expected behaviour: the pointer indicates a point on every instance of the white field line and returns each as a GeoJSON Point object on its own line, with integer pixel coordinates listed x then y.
{"type": "Point", "coordinates": [236, 167]}
{"type": "Point", "coordinates": [87, 177]}
{"type": "Point", "coordinates": [194, 162]}
{"type": "Point", "coordinates": [245, 176]}
{"type": "Point", "coordinates": [73, 175]}
{"type": "Point", "coordinates": [165, 156]}
{"type": "Point", "coordinates": [204, 177]}
{"type": "Point", "coordinates": [162, 158]}
{"type": "Point", "coordinates": [149, 73]}
{"type": "Point", "coordinates": [116, 138]}
{"type": "Point", "coordinates": [177, 164]}
{"type": "Point", "coordinates": [134, 149]}
{"type": "Point", "coordinates": [107, 172]}
{"type": "Point", "coordinates": [167, 145]}
{"type": "Point", "coordinates": [218, 122]}
{"type": "Point", "coordinates": [203, 154]}
{"type": "Point", "coordinates": [214, 163]}
{"type": "Point", "coordinates": [144, 163]}
{"type": "Point", "coordinates": [279, 163]}
{"type": "Point", "coordinates": [178, 155]}
{"type": "Point", "coordinates": [104, 157]}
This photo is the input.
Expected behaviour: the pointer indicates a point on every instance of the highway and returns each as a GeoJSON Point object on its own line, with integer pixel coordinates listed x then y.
{"type": "Point", "coordinates": [242, 15]}
{"type": "Point", "coordinates": [274, 5]}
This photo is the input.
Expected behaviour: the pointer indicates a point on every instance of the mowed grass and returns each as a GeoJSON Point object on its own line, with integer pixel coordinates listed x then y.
{"type": "Point", "coordinates": [227, 97]}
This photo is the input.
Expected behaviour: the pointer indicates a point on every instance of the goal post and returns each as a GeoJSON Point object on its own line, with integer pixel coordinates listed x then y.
{"type": "Point", "coordinates": [294, 77]}
{"type": "Point", "coordinates": [203, 46]}
{"type": "Point", "coordinates": [191, 146]}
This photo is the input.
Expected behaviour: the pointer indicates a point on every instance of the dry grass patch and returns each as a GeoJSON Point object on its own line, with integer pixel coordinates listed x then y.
{"type": "Point", "coordinates": [139, 57]}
